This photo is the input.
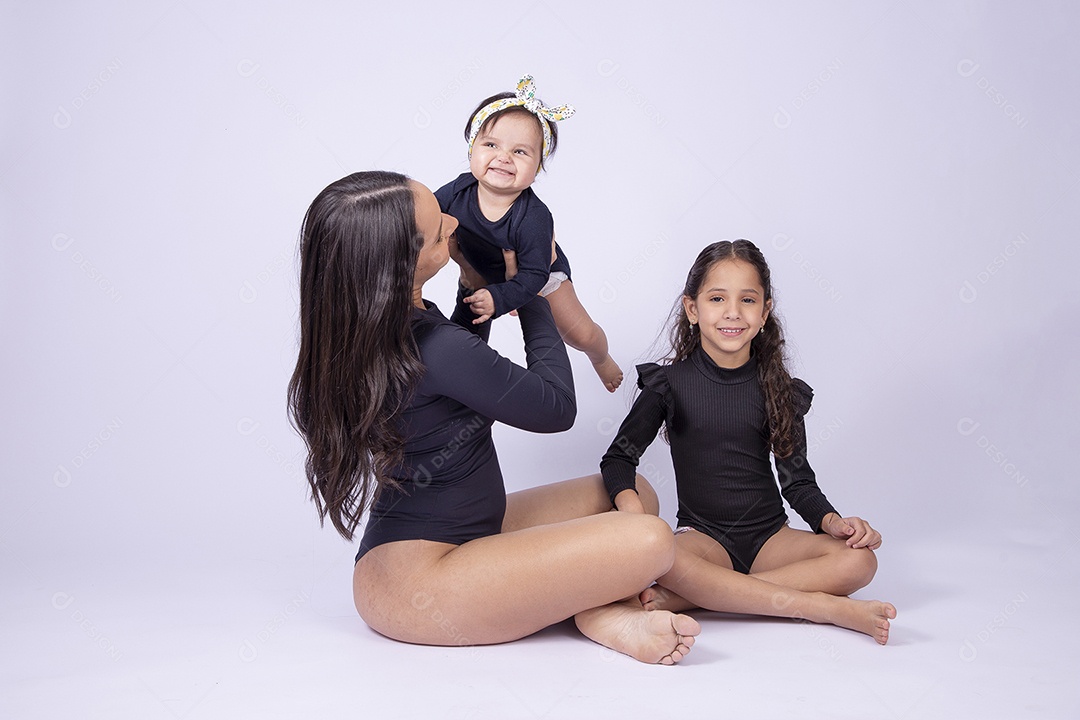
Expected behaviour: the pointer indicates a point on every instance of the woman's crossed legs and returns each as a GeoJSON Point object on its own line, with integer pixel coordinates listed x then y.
{"type": "Point", "coordinates": [559, 556]}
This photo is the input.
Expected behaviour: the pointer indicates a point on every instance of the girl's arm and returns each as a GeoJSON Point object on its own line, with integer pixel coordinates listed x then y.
{"type": "Point", "coordinates": [799, 486]}
{"type": "Point", "coordinates": [538, 398]}
{"type": "Point", "coordinates": [638, 430]}
{"type": "Point", "coordinates": [798, 483]}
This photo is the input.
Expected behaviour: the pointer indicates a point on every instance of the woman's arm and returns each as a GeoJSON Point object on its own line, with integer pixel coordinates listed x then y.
{"type": "Point", "coordinates": [539, 397]}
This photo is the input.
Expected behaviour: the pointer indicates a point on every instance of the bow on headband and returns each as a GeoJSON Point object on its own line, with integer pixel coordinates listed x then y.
{"type": "Point", "coordinates": [526, 98]}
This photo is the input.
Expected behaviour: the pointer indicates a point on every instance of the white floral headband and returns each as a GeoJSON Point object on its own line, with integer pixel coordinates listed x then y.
{"type": "Point", "coordinates": [525, 97]}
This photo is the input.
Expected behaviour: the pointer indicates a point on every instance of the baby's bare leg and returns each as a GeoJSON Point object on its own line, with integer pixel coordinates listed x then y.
{"type": "Point", "coordinates": [580, 332]}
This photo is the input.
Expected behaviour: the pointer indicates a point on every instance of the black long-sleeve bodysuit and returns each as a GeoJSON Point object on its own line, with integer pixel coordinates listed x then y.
{"type": "Point", "coordinates": [526, 228]}
{"type": "Point", "coordinates": [452, 488]}
{"type": "Point", "coordinates": [719, 437]}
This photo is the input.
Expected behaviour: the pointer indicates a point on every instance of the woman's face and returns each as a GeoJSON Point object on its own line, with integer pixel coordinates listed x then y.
{"type": "Point", "coordinates": [437, 229]}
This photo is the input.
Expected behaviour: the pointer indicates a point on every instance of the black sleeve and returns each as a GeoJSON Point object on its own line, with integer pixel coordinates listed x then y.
{"type": "Point", "coordinates": [638, 430]}
{"type": "Point", "coordinates": [539, 399]}
{"type": "Point", "coordinates": [798, 483]}
{"type": "Point", "coordinates": [533, 248]}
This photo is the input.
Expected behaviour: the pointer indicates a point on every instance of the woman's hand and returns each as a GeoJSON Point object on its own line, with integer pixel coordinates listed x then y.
{"type": "Point", "coordinates": [854, 531]}
{"type": "Point", "coordinates": [510, 258]}
{"type": "Point", "coordinates": [468, 277]}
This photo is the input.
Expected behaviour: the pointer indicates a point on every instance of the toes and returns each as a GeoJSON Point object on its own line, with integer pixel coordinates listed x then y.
{"type": "Point", "coordinates": [685, 626]}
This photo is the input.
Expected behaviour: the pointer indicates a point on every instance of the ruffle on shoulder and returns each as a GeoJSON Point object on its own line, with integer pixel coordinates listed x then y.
{"type": "Point", "coordinates": [655, 378]}
{"type": "Point", "coordinates": [801, 395]}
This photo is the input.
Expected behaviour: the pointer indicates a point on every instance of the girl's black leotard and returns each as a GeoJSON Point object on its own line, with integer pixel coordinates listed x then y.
{"type": "Point", "coordinates": [452, 488]}
{"type": "Point", "coordinates": [718, 431]}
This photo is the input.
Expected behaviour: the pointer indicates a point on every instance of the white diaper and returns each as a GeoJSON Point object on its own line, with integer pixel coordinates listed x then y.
{"type": "Point", "coordinates": [553, 283]}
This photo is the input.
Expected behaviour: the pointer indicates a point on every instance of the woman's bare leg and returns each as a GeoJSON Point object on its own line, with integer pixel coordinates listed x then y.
{"type": "Point", "coordinates": [507, 586]}
{"type": "Point", "coordinates": [581, 332]}
{"type": "Point", "coordinates": [622, 626]}
{"type": "Point", "coordinates": [566, 500]}
{"type": "Point", "coordinates": [701, 576]}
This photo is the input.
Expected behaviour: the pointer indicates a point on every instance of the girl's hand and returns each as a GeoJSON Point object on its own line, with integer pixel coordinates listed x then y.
{"type": "Point", "coordinates": [629, 501]}
{"type": "Point", "coordinates": [854, 531]}
{"type": "Point", "coordinates": [481, 303]}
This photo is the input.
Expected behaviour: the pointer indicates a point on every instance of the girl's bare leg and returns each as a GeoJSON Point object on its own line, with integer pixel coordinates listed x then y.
{"type": "Point", "coordinates": [507, 586]}
{"type": "Point", "coordinates": [804, 561]}
{"type": "Point", "coordinates": [580, 332]}
{"type": "Point", "coordinates": [702, 577]}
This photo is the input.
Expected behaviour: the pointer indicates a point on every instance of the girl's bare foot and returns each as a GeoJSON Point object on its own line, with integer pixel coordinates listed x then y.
{"type": "Point", "coordinates": [660, 598]}
{"type": "Point", "coordinates": [651, 637]}
{"type": "Point", "coordinates": [866, 616]}
{"type": "Point", "coordinates": [610, 373]}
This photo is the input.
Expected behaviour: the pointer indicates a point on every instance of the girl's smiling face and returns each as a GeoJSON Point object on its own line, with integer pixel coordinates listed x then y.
{"type": "Point", "coordinates": [730, 311]}
{"type": "Point", "coordinates": [506, 153]}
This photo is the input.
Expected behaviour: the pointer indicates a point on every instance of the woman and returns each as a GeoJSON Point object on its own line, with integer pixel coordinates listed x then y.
{"type": "Point", "coordinates": [396, 405]}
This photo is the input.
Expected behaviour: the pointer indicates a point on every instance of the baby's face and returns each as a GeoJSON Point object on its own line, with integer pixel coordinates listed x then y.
{"type": "Point", "coordinates": [506, 154]}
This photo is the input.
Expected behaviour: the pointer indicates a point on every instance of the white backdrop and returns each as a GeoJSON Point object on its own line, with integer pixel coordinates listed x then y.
{"type": "Point", "coordinates": [909, 168]}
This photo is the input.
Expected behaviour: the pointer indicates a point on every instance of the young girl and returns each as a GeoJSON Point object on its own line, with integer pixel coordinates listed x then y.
{"type": "Point", "coordinates": [510, 135]}
{"type": "Point", "coordinates": [727, 401]}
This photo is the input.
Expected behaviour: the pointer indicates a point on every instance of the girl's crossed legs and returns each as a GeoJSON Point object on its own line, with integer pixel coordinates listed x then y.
{"type": "Point", "coordinates": [556, 558]}
{"type": "Point", "coordinates": [796, 575]}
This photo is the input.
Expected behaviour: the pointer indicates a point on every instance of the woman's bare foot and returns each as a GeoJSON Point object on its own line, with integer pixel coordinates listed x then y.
{"type": "Point", "coordinates": [610, 373]}
{"type": "Point", "coordinates": [651, 637]}
{"type": "Point", "coordinates": [866, 616]}
{"type": "Point", "coordinates": [660, 598]}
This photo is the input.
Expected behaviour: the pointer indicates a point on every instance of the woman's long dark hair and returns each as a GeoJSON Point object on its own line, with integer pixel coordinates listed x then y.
{"type": "Point", "coordinates": [358, 361]}
{"type": "Point", "coordinates": [768, 345]}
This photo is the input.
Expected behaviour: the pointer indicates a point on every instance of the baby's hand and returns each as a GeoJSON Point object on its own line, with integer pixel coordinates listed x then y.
{"type": "Point", "coordinates": [482, 304]}
{"type": "Point", "coordinates": [855, 531]}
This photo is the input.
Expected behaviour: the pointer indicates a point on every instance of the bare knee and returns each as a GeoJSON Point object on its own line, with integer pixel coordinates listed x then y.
{"type": "Point", "coordinates": [654, 542]}
{"type": "Point", "coordinates": [855, 569]}
{"type": "Point", "coordinates": [584, 335]}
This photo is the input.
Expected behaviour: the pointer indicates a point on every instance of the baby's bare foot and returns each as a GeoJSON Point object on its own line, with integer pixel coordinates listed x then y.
{"type": "Point", "coordinates": [610, 373]}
